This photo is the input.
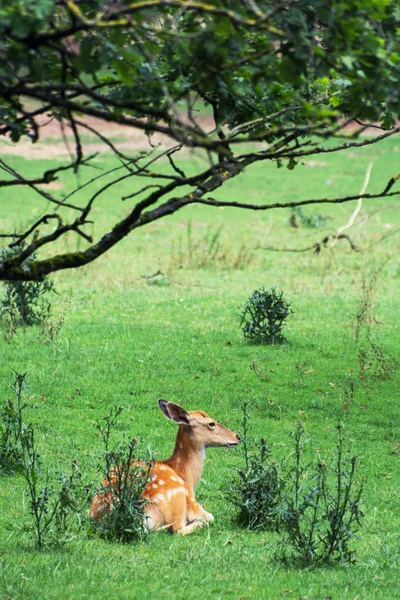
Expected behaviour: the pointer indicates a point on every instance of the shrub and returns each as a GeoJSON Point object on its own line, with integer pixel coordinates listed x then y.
{"type": "Point", "coordinates": [26, 301]}
{"type": "Point", "coordinates": [125, 479]}
{"type": "Point", "coordinates": [263, 317]}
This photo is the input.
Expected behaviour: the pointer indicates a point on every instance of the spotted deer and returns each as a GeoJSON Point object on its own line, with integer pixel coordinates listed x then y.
{"type": "Point", "coordinates": [170, 490]}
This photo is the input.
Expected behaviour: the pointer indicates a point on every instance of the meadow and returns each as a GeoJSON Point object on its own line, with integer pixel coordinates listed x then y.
{"type": "Point", "coordinates": [158, 316]}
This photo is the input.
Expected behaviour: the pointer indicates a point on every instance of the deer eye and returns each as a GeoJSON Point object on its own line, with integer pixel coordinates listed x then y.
{"type": "Point", "coordinates": [212, 425]}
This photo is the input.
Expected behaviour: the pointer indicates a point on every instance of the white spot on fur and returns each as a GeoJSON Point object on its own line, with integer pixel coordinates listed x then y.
{"type": "Point", "coordinates": [159, 497]}
{"type": "Point", "coordinates": [163, 468]}
{"type": "Point", "coordinates": [154, 486]}
{"type": "Point", "coordinates": [174, 478]}
{"type": "Point", "coordinates": [175, 491]}
{"type": "Point", "coordinates": [161, 482]}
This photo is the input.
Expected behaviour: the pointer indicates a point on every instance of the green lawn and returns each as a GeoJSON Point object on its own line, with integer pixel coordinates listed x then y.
{"type": "Point", "coordinates": [128, 340]}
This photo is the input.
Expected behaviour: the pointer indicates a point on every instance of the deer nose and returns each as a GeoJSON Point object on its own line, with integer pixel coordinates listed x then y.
{"type": "Point", "coordinates": [238, 437]}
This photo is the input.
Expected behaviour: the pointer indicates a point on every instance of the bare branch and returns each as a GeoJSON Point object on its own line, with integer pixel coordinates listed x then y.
{"type": "Point", "coordinates": [44, 220]}
{"type": "Point", "coordinates": [27, 182]}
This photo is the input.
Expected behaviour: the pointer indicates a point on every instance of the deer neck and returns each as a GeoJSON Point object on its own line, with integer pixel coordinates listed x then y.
{"type": "Point", "coordinates": [188, 458]}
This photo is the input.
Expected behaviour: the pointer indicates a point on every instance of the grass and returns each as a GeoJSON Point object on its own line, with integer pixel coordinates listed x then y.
{"type": "Point", "coordinates": [128, 340]}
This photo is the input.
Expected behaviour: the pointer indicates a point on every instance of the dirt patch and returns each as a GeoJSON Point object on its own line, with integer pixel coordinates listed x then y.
{"type": "Point", "coordinates": [56, 139]}
{"type": "Point", "coordinates": [54, 185]}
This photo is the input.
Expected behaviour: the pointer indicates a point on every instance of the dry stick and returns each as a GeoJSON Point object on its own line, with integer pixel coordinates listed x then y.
{"type": "Point", "coordinates": [357, 209]}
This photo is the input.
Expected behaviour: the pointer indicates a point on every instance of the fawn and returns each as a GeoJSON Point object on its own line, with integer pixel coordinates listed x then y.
{"type": "Point", "coordinates": [171, 484]}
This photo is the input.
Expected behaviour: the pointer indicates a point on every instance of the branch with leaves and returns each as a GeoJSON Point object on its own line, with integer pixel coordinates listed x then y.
{"type": "Point", "coordinates": [281, 80]}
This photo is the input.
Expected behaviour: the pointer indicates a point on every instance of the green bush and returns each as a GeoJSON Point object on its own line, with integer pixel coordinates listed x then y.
{"type": "Point", "coordinates": [26, 301]}
{"type": "Point", "coordinates": [263, 317]}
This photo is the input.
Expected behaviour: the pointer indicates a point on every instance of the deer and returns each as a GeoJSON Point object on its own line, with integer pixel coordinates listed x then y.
{"type": "Point", "coordinates": [170, 489]}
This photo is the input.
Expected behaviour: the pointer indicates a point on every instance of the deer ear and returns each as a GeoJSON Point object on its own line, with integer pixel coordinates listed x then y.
{"type": "Point", "coordinates": [174, 412]}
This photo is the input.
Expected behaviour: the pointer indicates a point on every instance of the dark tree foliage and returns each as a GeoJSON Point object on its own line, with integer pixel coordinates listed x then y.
{"type": "Point", "coordinates": [287, 75]}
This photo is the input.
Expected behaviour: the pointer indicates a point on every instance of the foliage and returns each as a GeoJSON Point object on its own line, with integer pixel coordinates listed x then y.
{"type": "Point", "coordinates": [25, 302]}
{"type": "Point", "coordinates": [282, 74]}
{"type": "Point", "coordinates": [321, 517]}
{"type": "Point", "coordinates": [256, 493]}
{"type": "Point", "coordinates": [263, 317]}
{"type": "Point", "coordinates": [124, 481]}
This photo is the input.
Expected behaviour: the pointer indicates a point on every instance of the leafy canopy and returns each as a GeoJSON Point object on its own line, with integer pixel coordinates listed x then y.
{"type": "Point", "coordinates": [278, 73]}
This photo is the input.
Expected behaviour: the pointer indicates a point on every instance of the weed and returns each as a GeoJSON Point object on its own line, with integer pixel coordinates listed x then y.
{"type": "Point", "coordinates": [50, 504]}
{"type": "Point", "coordinates": [257, 491]}
{"type": "Point", "coordinates": [375, 360]}
{"type": "Point", "coordinates": [311, 221]}
{"type": "Point", "coordinates": [125, 478]}
{"type": "Point", "coordinates": [25, 302]}
{"type": "Point", "coordinates": [320, 516]}
{"type": "Point", "coordinates": [260, 371]}
{"type": "Point", "coordinates": [263, 317]}
{"type": "Point", "coordinates": [301, 370]}
{"type": "Point", "coordinates": [366, 304]}
{"type": "Point", "coordinates": [12, 428]}
{"type": "Point", "coordinates": [347, 396]}
{"type": "Point", "coordinates": [9, 319]}
{"type": "Point", "coordinates": [209, 249]}
{"type": "Point", "coordinates": [51, 327]}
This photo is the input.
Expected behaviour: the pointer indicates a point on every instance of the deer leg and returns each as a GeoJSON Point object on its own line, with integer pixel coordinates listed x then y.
{"type": "Point", "coordinates": [188, 529]}
{"type": "Point", "coordinates": [196, 512]}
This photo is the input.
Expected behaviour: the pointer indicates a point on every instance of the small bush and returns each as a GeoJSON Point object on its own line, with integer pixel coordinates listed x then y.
{"type": "Point", "coordinates": [263, 317]}
{"type": "Point", "coordinates": [125, 480]}
{"type": "Point", "coordinates": [26, 302]}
